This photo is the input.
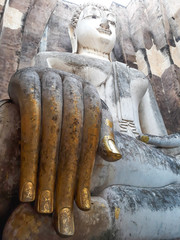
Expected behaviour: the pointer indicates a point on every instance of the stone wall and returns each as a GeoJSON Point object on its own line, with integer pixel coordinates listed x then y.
{"type": "Point", "coordinates": [155, 32]}
{"type": "Point", "coordinates": [148, 38]}
{"type": "Point", "coordinates": [22, 26]}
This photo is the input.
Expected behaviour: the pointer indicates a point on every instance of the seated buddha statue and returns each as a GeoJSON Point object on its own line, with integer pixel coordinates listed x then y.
{"type": "Point", "coordinates": [66, 102]}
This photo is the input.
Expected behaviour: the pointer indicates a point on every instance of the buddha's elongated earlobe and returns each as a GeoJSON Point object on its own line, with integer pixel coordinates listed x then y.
{"type": "Point", "coordinates": [109, 56]}
{"type": "Point", "coordinates": [73, 38]}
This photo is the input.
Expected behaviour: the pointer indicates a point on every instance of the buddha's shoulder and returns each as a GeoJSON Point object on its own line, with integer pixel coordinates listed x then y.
{"type": "Point", "coordinates": [44, 59]}
{"type": "Point", "coordinates": [66, 60]}
{"type": "Point", "coordinates": [123, 68]}
{"type": "Point", "coordinates": [55, 59]}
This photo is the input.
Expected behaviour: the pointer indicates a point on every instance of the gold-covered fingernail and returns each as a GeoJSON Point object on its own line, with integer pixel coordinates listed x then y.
{"type": "Point", "coordinates": [27, 193]}
{"type": "Point", "coordinates": [84, 198]}
{"type": "Point", "coordinates": [111, 147]}
{"type": "Point", "coordinates": [144, 139]}
{"type": "Point", "coordinates": [66, 222]}
{"type": "Point", "coordinates": [45, 202]}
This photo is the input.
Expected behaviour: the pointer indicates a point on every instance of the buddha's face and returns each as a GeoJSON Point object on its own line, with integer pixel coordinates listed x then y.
{"type": "Point", "coordinates": [96, 29]}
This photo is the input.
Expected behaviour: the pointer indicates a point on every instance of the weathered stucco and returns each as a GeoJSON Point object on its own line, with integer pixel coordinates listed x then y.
{"type": "Point", "coordinates": [148, 38]}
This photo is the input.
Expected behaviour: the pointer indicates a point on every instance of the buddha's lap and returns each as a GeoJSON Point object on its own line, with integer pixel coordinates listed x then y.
{"type": "Point", "coordinates": [141, 166]}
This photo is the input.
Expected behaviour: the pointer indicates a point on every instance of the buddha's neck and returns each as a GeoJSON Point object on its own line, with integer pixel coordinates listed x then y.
{"type": "Point", "coordinates": [93, 53]}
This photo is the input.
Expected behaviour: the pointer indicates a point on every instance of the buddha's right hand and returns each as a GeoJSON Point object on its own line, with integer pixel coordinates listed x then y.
{"type": "Point", "coordinates": [61, 125]}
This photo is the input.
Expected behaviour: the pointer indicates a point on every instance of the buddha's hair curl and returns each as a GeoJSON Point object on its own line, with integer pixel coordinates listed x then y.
{"type": "Point", "coordinates": [78, 11]}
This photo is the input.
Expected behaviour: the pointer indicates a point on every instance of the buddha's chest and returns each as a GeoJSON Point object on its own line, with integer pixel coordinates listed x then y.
{"type": "Point", "coordinates": [122, 88]}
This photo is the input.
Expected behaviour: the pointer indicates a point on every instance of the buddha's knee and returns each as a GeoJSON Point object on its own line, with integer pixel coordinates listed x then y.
{"type": "Point", "coordinates": [26, 223]}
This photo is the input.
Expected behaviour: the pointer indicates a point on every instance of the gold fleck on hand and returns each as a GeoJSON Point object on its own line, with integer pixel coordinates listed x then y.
{"type": "Point", "coordinates": [109, 123]}
{"type": "Point", "coordinates": [117, 212]}
{"type": "Point", "coordinates": [144, 139]}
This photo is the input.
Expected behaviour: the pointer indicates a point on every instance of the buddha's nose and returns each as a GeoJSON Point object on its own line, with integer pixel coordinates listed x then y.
{"type": "Point", "coordinates": [104, 23]}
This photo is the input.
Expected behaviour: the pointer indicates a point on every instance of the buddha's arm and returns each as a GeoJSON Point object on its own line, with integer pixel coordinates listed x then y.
{"type": "Point", "coordinates": [151, 121]}
{"type": "Point", "coordinates": [153, 128]}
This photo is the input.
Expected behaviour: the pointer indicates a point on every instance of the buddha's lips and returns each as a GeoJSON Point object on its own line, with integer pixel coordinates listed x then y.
{"type": "Point", "coordinates": [105, 31]}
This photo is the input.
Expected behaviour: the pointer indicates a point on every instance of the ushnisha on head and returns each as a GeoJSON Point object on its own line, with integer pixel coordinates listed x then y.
{"type": "Point", "coordinates": [93, 31]}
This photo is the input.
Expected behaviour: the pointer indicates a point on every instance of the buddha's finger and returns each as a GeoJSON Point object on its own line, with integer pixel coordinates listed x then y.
{"type": "Point", "coordinates": [69, 154]}
{"type": "Point", "coordinates": [91, 131]}
{"type": "Point", "coordinates": [107, 146]}
{"type": "Point", "coordinates": [51, 128]}
{"type": "Point", "coordinates": [166, 141]}
{"type": "Point", "coordinates": [25, 90]}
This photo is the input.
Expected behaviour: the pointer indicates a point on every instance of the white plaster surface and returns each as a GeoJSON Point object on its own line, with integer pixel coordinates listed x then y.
{"type": "Point", "coordinates": [12, 18]}
{"type": "Point", "coordinates": [142, 65]}
{"type": "Point", "coordinates": [131, 171]}
{"type": "Point", "coordinates": [159, 62]}
{"type": "Point", "coordinates": [2, 2]}
{"type": "Point", "coordinates": [146, 112]}
{"type": "Point", "coordinates": [148, 225]}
